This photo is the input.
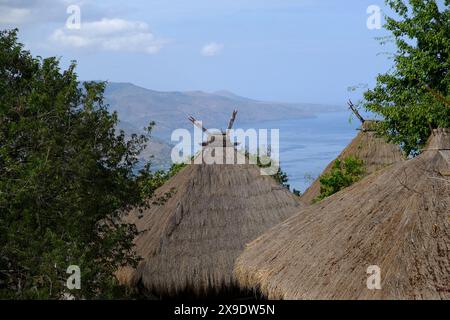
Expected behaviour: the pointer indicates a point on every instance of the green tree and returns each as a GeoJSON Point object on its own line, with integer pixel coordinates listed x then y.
{"type": "Point", "coordinates": [150, 181]}
{"type": "Point", "coordinates": [342, 174]}
{"type": "Point", "coordinates": [282, 178]}
{"type": "Point", "coordinates": [66, 179]}
{"type": "Point", "coordinates": [413, 97]}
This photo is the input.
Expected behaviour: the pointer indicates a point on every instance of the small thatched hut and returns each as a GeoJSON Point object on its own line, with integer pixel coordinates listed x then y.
{"type": "Point", "coordinates": [397, 219]}
{"type": "Point", "coordinates": [190, 243]}
{"type": "Point", "coordinates": [374, 151]}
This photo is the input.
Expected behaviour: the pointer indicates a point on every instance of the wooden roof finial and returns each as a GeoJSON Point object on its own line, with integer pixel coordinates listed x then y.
{"type": "Point", "coordinates": [233, 117]}
{"type": "Point", "coordinates": [355, 111]}
{"type": "Point", "coordinates": [212, 136]}
{"type": "Point", "coordinates": [199, 125]}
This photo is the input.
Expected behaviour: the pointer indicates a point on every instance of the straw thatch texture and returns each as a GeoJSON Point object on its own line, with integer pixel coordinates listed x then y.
{"type": "Point", "coordinates": [191, 242]}
{"type": "Point", "coordinates": [397, 219]}
{"type": "Point", "coordinates": [375, 152]}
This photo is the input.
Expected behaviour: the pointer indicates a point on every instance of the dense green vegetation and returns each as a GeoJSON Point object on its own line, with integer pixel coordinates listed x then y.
{"type": "Point", "coordinates": [413, 97]}
{"type": "Point", "coordinates": [66, 179]}
{"type": "Point", "coordinates": [343, 174]}
{"type": "Point", "coordinates": [150, 181]}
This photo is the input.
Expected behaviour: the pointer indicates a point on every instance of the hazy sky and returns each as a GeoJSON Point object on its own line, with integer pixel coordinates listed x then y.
{"type": "Point", "coordinates": [279, 50]}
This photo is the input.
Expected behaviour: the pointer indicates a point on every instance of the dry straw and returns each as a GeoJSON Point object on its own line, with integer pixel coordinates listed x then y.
{"type": "Point", "coordinates": [374, 151]}
{"type": "Point", "coordinates": [397, 218]}
{"type": "Point", "coordinates": [190, 243]}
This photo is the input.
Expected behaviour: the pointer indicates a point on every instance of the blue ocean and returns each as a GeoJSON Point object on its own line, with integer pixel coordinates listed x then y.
{"type": "Point", "coordinates": [308, 145]}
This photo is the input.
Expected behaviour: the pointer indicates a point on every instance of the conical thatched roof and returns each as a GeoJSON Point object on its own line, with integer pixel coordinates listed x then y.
{"type": "Point", "coordinates": [397, 219]}
{"type": "Point", "coordinates": [190, 243]}
{"type": "Point", "coordinates": [374, 151]}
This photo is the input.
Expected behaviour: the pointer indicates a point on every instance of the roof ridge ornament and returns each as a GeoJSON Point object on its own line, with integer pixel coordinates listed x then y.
{"type": "Point", "coordinates": [211, 135]}
{"type": "Point", "coordinates": [355, 111]}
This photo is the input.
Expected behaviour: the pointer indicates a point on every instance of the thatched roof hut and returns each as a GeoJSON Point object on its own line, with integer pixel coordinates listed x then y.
{"type": "Point", "coordinates": [374, 151]}
{"type": "Point", "coordinates": [397, 219]}
{"type": "Point", "coordinates": [190, 243]}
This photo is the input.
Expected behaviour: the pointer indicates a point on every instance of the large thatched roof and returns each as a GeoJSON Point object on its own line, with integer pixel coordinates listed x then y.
{"type": "Point", "coordinates": [190, 243]}
{"type": "Point", "coordinates": [374, 151]}
{"type": "Point", "coordinates": [397, 219]}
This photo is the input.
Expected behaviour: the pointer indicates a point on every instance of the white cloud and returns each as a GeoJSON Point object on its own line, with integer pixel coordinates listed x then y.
{"type": "Point", "coordinates": [212, 49]}
{"type": "Point", "coordinates": [10, 15]}
{"type": "Point", "coordinates": [22, 12]}
{"type": "Point", "coordinates": [110, 35]}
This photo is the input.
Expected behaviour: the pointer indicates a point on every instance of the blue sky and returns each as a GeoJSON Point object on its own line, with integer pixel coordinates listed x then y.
{"type": "Point", "coordinates": [276, 50]}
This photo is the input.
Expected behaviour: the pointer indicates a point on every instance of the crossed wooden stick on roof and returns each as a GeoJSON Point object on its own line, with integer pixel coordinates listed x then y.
{"type": "Point", "coordinates": [211, 137]}
{"type": "Point", "coordinates": [355, 111]}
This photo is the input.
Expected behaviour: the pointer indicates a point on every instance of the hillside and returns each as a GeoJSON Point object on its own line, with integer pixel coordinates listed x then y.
{"type": "Point", "coordinates": [138, 106]}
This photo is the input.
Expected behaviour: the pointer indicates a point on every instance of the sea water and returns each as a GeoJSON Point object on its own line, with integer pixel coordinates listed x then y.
{"type": "Point", "coordinates": [308, 145]}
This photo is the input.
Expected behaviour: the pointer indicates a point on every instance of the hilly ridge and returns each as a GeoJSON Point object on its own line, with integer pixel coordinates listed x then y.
{"type": "Point", "coordinates": [137, 106]}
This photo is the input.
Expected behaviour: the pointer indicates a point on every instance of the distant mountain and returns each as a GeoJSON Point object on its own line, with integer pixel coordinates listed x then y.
{"type": "Point", "coordinates": [138, 106]}
{"type": "Point", "coordinates": [157, 151]}
{"type": "Point", "coordinates": [231, 95]}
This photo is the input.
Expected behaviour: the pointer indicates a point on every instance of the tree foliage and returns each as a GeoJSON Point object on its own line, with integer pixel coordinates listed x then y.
{"type": "Point", "coordinates": [413, 97]}
{"type": "Point", "coordinates": [342, 174]}
{"type": "Point", "coordinates": [66, 179]}
{"type": "Point", "coordinates": [150, 181]}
